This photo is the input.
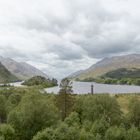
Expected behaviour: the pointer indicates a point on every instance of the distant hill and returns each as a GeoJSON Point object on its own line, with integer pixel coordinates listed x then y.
{"type": "Point", "coordinates": [6, 76]}
{"type": "Point", "coordinates": [123, 73]}
{"type": "Point", "coordinates": [21, 70]}
{"type": "Point", "coordinates": [110, 64]}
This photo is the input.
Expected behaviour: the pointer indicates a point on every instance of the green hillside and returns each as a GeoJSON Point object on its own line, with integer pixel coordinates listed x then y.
{"type": "Point", "coordinates": [123, 73]}
{"type": "Point", "coordinates": [6, 76]}
{"type": "Point", "coordinates": [121, 76]}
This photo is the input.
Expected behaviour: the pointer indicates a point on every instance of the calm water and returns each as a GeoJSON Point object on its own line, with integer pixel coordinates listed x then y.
{"type": "Point", "coordinates": [16, 84]}
{"type": "Point", "coordinates": [85, 88]}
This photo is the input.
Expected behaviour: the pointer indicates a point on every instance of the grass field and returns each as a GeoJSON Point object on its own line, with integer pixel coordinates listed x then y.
{"type": "Point", "coordinates": [123, 100]}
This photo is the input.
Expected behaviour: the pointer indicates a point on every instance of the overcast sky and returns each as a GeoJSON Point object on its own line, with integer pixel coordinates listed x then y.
{"type": "Point", "coordinates": [63, 36]}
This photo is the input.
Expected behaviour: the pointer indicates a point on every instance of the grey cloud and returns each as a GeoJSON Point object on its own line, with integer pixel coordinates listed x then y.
{"type": "Point", "coordinates": [10, 51]}
{"type": "Point", "coordinates": [67, 51]}
{"type": "Point", "coordinates": [62, 33]}
{"type": "Point", "coordinates": [99, 48]}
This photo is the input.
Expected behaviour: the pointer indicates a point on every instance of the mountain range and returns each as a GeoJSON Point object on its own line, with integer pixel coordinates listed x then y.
{"type": "Point", "coordinates": [6, 76]}
{"type": "Point", "coordinates": [21, 70]}
{"type": "Point", "coordinates": [107, 65]}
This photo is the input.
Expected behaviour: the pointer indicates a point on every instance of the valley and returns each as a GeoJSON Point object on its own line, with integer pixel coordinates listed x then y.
{"type": "Point", "coordinates": [40, 108]}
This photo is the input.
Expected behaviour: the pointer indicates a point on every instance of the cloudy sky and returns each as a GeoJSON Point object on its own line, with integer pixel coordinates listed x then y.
{"type": "Point", "coordinates": [63, 36]}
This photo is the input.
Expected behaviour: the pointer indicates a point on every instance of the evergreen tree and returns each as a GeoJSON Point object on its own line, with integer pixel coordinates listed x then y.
{"type": "Point", "coordinates": [65, 100]}
{"type": "Point", "coordinates": [2, 109]}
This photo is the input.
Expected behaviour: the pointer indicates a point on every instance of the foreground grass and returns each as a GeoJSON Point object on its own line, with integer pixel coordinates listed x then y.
{"type": "Point", "coordinates": [124, 99]}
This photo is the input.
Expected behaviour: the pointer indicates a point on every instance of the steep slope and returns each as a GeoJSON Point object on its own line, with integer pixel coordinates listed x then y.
{"type": "Point", "coordinates": [6, 76]}
{"type": "Point", "coordinates": [21, 69]}
{"type": "Point", "coordinates": [75, 74]}
{"type": "Point", "coordinates": [110, 64]}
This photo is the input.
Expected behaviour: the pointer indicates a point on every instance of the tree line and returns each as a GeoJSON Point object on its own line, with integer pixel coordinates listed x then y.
{"type": "Point", "coordinates": [27, 114]}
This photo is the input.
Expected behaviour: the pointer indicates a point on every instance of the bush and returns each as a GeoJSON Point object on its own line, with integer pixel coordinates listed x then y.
{"type": "Point", "coordinates": [32, 115]}
{"type": "Point", "coordinates": [98, 107]}
{"type": "Point", "coordinates": [115, 133]}
{"type": "Point", "coordinates": [99, 127]}
{"type": "Point", "coordinates": [63, 132]}
{"type": "Point", "coordinates": [133, 134]}
{"type": "Point", "coordinates": [6, 132]}
{"type": "Point", "coordinates": [134, 112]}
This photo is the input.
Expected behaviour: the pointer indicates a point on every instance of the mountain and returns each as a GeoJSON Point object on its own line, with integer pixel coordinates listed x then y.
{"type": "Point", "coordinates": [6, 76]}
{"type": "Point", "coordinates": [21, 70]}
{"type": "Point", "coordinates": [110, 64]}
{"type": "Point", "coordinates": [76, 73]}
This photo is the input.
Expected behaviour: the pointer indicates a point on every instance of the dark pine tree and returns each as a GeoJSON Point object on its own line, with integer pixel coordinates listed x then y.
{"type": "Point", "coordinates": [65, 101]}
